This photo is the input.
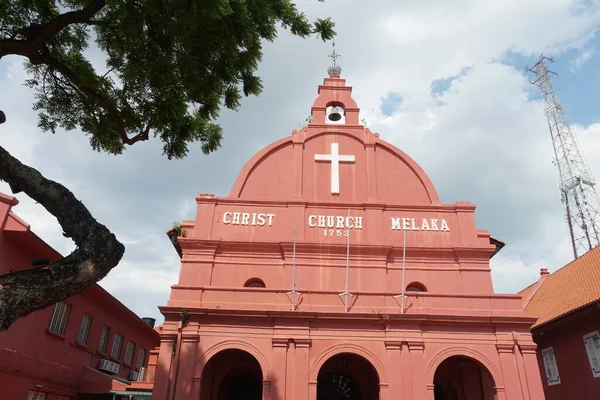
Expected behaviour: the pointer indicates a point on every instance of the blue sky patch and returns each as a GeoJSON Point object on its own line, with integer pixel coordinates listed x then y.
{"type": "Point", "coordinates": [390, 104]}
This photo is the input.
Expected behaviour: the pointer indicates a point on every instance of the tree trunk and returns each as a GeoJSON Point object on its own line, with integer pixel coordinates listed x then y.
{"type": "Point", "coordinates": [97, 252]}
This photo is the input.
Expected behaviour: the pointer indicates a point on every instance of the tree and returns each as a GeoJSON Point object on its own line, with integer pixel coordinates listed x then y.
{"type": "Point", "coordinates": [170, 67]}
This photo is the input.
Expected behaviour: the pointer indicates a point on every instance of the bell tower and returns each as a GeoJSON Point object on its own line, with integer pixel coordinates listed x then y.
{"type": "Point", "coordinates": [334, 105]}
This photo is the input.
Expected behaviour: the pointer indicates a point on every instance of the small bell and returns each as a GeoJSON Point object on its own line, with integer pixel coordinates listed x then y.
{"type": "Point", "coordinates": [335, 115]}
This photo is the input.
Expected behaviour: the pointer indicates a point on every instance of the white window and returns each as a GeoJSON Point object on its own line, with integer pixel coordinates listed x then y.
{"type": "Point", "coordinates": [116, 347]}
{"type": "Point", "coordinates": [592, 346]}
{"type": "Point", "coordinates": [129, 350]}
{"type": "Point", "coordinates": [141, 359]}
{"type": "Point", "coordinates": [103, 339]}
{"type": "Point", "coordinates": [60, 315]}
{"type": "Point", "coordinates": [84, 329]}
{"type": "Point", "coordinates": [550, 366]}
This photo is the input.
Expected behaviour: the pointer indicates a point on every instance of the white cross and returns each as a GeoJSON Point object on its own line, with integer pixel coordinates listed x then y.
{"type": "Point", "coordinates": [335, 158]}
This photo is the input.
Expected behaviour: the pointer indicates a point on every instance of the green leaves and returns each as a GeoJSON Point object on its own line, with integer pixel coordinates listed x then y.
{"type": "Point", "coordinates": [171, 64]}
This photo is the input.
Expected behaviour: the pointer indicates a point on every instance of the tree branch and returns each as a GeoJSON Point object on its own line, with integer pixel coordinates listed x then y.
{"type": "Point", "coordinates": [37, 36]}
{"type": "Point", "coordinates": [97, 252]}
{"type": "Point", "coordinates": [72, 17]}
{"type": "Point", "coordinates": [48, 59]}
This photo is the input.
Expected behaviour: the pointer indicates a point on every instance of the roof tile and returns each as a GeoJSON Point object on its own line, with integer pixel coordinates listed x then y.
{"type": "Point", "coordinates": [568, 289]}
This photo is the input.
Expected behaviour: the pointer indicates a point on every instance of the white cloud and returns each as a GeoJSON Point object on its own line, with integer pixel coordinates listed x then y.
{"type": "Point", "coordinates": [483, 140]}
{"type": "Point", "coordinates": [583, 57]}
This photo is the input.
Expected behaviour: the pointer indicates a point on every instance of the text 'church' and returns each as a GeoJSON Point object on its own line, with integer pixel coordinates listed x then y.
{"type": "Point", "coordinates": [332, 271]}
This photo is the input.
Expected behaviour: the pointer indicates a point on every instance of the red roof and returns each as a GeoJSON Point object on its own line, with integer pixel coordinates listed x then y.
{"type": "Point", "coordinates": [571, 288]}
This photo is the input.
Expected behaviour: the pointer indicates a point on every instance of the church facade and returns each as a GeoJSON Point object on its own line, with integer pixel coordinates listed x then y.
{"type": "Point", "coordinates": [332, 271]}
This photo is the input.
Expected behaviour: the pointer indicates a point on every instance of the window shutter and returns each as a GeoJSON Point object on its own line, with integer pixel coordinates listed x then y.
{"type": "Point", "coordinates": [550, 366]}
{"type": "Point", "coordinates": [592, 347]}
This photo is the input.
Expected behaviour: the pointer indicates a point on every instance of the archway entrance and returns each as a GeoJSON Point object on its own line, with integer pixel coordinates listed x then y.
{"type": "Point", "coordinates": [231, 375]}
{"type": "Point", "coordinates": [462, 378]}
{"type": "Point", "coordinates": [347, 377]}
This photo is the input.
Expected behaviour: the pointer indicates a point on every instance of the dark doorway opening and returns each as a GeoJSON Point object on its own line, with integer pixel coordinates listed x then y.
{"type": "Point", "coordinates": [347, 376]}
{"type": "Point", "coordinates": [232, 375]}
{"type": "Point", "coordinates": [463, 378]}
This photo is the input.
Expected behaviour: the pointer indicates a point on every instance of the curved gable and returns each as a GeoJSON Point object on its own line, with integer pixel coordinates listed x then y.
{"type": "Point", "coordinates": [379, 172]}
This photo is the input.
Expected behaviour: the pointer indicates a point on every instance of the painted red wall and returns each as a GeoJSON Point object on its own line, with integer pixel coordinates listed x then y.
{"type": "Point", "coordinates": [576, 379]}
{"type": "Point", "coordinates": [30, 354]}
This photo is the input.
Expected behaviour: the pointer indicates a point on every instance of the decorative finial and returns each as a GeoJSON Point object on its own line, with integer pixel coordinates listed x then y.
{"type": "Point", "coordinates": [334, 69]}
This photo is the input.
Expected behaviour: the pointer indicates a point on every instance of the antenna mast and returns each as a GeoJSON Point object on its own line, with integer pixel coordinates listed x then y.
{"type": "Point", "coordinates": [576, 183]}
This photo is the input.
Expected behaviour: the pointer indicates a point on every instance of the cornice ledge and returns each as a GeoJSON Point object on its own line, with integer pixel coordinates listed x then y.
{"type": "Point", "coordinates": [206, 245]}
{"type": "Point", "coordinates": [416, 345]}
{"type": "Point", "coordinates": [473, 253]}
{"type": "Point", "coordinates": [524, 320]}
{"type": "Point", "coordinates": [529, 348]}
{"type": "Point", "coordinates": [302, 343]}
{"type": "Point", "coordinates": [167, 337]}
{"type": "Point", "coordinates": [464, 206]}
{"type": "Point", "coordinates": [280, 342]}
{"type": "Point", "coordinates": [505, 347]}
{"type": "Point", "coordinates": [190, 337]}
{"type": "Point", "coordinates": [393, 344]}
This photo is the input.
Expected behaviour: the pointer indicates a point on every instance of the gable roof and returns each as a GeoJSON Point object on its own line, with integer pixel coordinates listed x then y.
{"type": "Point", "coordinates": [572, 287]}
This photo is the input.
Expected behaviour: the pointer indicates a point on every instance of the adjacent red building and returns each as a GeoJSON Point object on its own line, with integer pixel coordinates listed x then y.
{"type": "Point", "coordinates": [567, 305]}
{"type": "Point", "coordinates": [88, 347]}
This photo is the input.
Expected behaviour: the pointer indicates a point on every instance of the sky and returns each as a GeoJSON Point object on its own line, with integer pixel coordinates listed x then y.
{"type": "Point", "coordinates": [446, 82]}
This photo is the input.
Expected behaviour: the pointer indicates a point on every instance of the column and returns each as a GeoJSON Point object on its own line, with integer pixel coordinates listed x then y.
{"type": "Point", "coordinates": [186, 370]}
{"type": "Point", "coordinates": [301, 369]}
{"type": "Point", "coordinates": [163, 367]}
{"type": "Point", "coordinates": [532, 371]}
{"type": "Point", "coordinates": [397, 379]}
{"type": "Point", "coordinates": [278, 373]}
{"type": "Point", "coordinates": [510, 374]}
{"type": "Point", "coordinates": [417, 364]}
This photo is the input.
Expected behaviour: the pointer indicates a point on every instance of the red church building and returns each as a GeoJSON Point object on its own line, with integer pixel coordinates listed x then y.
{"type": "Point", "coordinates": [333, 271]}
{"type": "Point", "coordinates": [89, 346]}
{"type": "Point", "coordinates": [567, 307]}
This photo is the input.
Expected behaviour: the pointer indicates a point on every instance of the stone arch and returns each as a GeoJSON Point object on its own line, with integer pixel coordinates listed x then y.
{"type": "Point", "coordinates": [352, 349]}
{"type": "Point", "coordinates": [475, 355]}
{"type": "Point", "coordinates": [236, 345]}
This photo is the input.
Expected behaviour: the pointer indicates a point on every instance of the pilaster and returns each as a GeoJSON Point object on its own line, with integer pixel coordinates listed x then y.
{"type": "Point", "coordinates": [371, 172]}
{"type": "Point", "coordinates": [397, 387]}
{"type": "Point", "coordinates": [532, 371]}
{"type": "Point", "coordinates": [163, 367]}
{"type": "Point", "coordinates": [522, 373]}
{"type": "Point", "coordinates": [508, 364]}
{"type": "Point", "coordinates": [187, 368]}
{"type": "Point", "coordinates": [301, 368]}
{"type": "Point", "coordinates": [417, 366]}
{"type": "Point", "coordinates": [278, 373]}
{"type": "Point", "coordinates": [298, 150]}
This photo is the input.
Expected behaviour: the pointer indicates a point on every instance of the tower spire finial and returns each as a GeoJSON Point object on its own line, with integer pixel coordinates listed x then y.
{"type": "Point", "coordinates": [334, 69]}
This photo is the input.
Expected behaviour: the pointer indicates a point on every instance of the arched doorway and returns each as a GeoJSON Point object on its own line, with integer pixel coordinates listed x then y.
{"type": "Point", "coordinates": [347, 376]}
{"type": "Point", "coordinates": [231, 375]}
{"type": "Point", "coordinates": [462, 378]}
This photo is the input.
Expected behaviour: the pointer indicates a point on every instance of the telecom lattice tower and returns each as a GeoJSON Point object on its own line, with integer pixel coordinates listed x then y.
{"type": "Point", "coordinates": [576, 183]}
